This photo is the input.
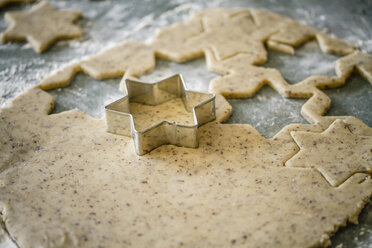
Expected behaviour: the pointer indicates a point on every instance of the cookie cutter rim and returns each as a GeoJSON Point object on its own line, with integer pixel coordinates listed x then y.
{"type": "Point", "coordinates": [119, 119]}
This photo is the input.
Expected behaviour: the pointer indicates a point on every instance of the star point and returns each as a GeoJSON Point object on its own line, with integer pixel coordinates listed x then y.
{"type": "Point", "coordinates": [336, 153]}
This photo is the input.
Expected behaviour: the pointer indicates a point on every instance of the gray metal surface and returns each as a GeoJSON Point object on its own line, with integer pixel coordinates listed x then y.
{"type": "Point", "coordinates": [107, 22]}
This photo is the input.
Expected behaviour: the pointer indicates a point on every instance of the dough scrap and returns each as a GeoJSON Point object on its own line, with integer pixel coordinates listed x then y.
{"type": "Point", "coordinates": [279, 47]}
{"type": "Point", "coordinates": [201, 34]}
{"type": "Point", "coordinates": [209, 32]}
{"type": "Point", "coordinates": [229, 32]}
{"type": "Point", "coordinates": [223, 109]}
{"type": "Point", "coordinates": [336, 153]}
{"type": "Point", "coordinates": [224, 35]}
{"type": "Point", "coordinates": [242, 30]}
{"type": "Point", "coordinates": [130, 57]}
{"type": "Point", "coordinates": [41, 26]}
{"type": "Point", "coordinates": [334, 45]}
{"type": "Point", "coordinates": [5, 2]}
{"type": "Point", "coordinates": [243, 80]}
{"type": "Point", "coordinates": [171, 46]}
{"type": "Point", "coordinates": [79, 181]}
{"type": "Point", "coordinates": [361, 62]}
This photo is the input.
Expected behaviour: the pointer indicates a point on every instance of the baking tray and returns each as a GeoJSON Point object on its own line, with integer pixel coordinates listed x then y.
{"type": "Point", "coordinates": [109, 22]}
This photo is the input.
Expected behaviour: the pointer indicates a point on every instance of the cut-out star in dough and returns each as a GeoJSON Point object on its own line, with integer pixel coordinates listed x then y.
{"type": "Point", "coordinates": [336, 153]}
{"type": "Point", "coordinates": [41, 26]}
{"type": "Point", "coordinates": [5, 2]}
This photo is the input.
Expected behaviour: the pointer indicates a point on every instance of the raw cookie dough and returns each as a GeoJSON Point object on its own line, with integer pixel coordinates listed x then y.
{"type": "Point", "coordinates": [130, 57]}
{"type": "Point", "coordinates": [203, 34]}
{"type": "Point", "coordinates": [41, 26]}
{"type": "Point", "coordinates": [66, 182]}
{"type": "Point", "coordinates": [5, 2]}
{"type": "Point", "coordinates": [360, 62]}
{"type": "Point", "coordinates": [279, 47]}
{"type": "Point", "coordinates": [337, 153]}
{"type": "Point", "coordinates": [223, 109]}
{"type": "Point", "coordinates": [173, 110]}
{"type": "Point", "coordinates": [229, 32]}
{"type": "Point", "coordinates": [206, 33]}
{"type": "Point", "coordinates": [237, 58]}
{"type": "Point", "coordinates": [244, 80]}
{"type": "Point", "coordinates": [146, 115]}
{"type": "Point", "coordinates": [69, 183]}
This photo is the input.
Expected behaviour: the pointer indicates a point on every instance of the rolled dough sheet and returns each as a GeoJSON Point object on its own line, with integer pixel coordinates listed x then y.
{"type": "Point", "coordinates": [66, 182]}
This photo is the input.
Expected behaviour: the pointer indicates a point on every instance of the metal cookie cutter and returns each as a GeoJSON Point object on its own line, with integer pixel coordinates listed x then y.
{"type": "Point", "coordinates": [120, 121]}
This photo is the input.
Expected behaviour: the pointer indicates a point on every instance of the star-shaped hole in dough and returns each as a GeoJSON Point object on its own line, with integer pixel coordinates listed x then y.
{"type": "Point", "coordinates": [41, 26]}
{"type": "Point", "coordinates": [336, 153]}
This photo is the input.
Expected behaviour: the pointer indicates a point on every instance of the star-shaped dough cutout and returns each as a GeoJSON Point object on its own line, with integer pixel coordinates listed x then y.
{"type": "Point", "coordinates": [41, 26]}
{"type": "Point", "coordinates": [336, 153]}
{"type": "Point", "coordinates": [5, 2]}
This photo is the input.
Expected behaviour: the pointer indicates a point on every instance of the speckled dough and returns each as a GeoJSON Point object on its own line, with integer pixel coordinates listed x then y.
{"type": "Point", "coordinates": [68, 183]}
{"type": "Point", "coordinates": [41, 26]}
{"type": "Point", "coordinates": [130, 57]}
{"type": "Point", "coordinates": [337, 153]}
{"type": "Point", "coordinates": [228, 32]}
{"type": "Point", "coordinates": [65, 182]}
{"type": "Point", "coordinates": [172, 110]}
{"type": "Point", "coordinates": [210, 33]}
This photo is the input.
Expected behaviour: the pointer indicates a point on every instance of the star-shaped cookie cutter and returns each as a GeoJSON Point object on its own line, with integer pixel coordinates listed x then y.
{"type": "Point", "coordinates": [120, 121]}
